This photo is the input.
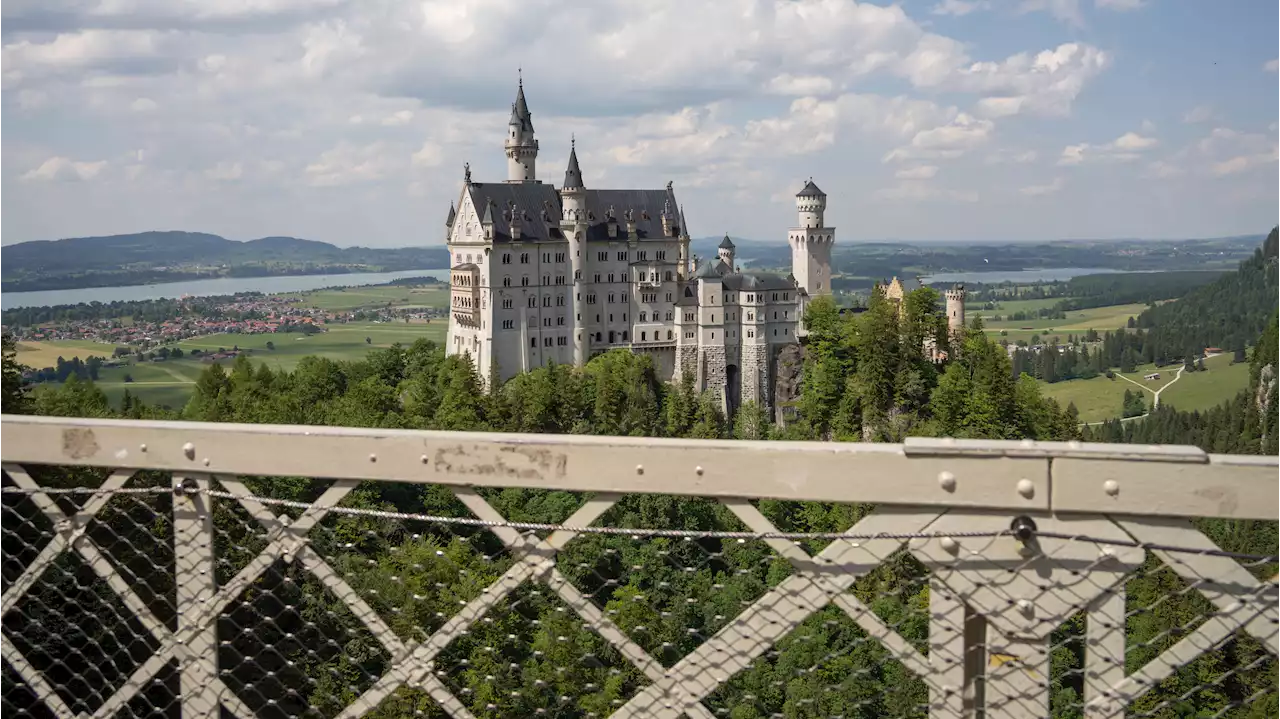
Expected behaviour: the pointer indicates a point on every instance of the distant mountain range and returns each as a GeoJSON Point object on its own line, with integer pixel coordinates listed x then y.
{"type": "Point", "coordinates": [149, 257]}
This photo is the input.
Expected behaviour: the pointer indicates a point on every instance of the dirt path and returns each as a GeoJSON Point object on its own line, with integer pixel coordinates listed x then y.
{"type": "Point", "coordinates": [1154, 402]}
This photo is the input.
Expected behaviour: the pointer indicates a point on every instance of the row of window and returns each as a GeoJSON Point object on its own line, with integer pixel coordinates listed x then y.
{"type": "Point", "coordinates": [644, 316]}
{"type": "Point", "coordinates": [641, 256]}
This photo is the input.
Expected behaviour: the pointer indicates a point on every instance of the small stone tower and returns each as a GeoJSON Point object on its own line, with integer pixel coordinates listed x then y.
{"type": "Point", "coordinates": [811, 241]}
{"type": "Point", "coordinates": [726, 251]}
{"type": "Point", "coordinates": [573, 223]}
{"type": "Point", "coordinates": [955, 310]}
{"type": "Point", "coordinates": [521, 145]}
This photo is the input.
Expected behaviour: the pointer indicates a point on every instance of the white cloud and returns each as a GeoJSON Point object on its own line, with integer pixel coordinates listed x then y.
{"type": "Point", "coordinates": [800, 85]}
{"type": "Point", "coordinates": [1126, 148]}
{"type": "Point", "coordinates": [960, 7]}
{"type": "Point", "coordinates": [947, 141]}
{"type": "Point", "coordinates": [349, 164]}
{"type": "Point", "coordinates": [1230, 152]}
{"type": "Point", "coordinates": [429, 155]}
{"type": "Point", "coordinates": [1147, 126]}
{"type": "Point", "coordinates": [1011, 157]}
{"type": "Point", "coordinates": [1046, 83]}
{"type": "Point", "coordinates": [143, 104]}
{"type": "Point", "coordinates": [1067, 11]}
{"type": "Point", "coordinates": [225, 172]}
{"type": "Point", "coordinates": [1198, 114]}
{"type": "Point", "coordinates": [1271, 65]}
{"type": "Point", "coordinates": [61, 168]}
{"type": "Point", "coordinates": [914, 191]}
{"type": "Point", "coordinates": [1120, 5]}
{"type": "Point", "coordinates": [921, 172]}
{"type": "Point", "coordinates": [1041, 190]}
{"type": "Point", "coordinates": [403, 117]}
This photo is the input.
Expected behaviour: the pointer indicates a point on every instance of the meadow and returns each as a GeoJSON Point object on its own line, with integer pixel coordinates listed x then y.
{"type": "Point", "coordinates": [1102, 319]}
{"type": "Point", "coordinates": [1100, 398]}
{"type": "Point", "coordinates": [170, 382]}
{"type": "Point", "coordinates": [349, 299]}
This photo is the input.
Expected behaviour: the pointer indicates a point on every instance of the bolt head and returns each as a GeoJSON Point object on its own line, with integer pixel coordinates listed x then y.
{"type": "Point", "coordinates": [1026, 488]}
{"type": "Point", "coordinates": [947, 481]}
{"type": "Point", "coordinates": [1026, 607]}
{"type": "Point", "coordinates": [189, 449]}
{"type": "Point", "coordinates": [949, 545]}
{"type": "Point", "coordinates": [698, 470]}
{"type": "Point", "coordinates": [1111, 487]}
{"type": "Point", "coordinates": [639, 469]}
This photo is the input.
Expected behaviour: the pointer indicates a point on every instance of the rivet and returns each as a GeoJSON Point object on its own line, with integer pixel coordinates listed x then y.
{"type": "Point", "coordinates": [373, 458]}
{"type": "Point", "coordinates": [698, 470]}
{"type": "Point", "coordinates": [947, 481]}
{"type": "Point", "coordinates": [424, 459]}
{"type": "Point", "coordinates": [189, 449]}
{"type": "Point", "coordinates": [639, 469]}
{"type": "Point", "coordinates": [1111, 487]}
{"type": "Point", "coordinates": [206, 461]}
{"type": "Point", "coordinates": [949, 545]}
{"type": "Point", "coordinates": [1026, 607]}
{"type": "Point", "coordinates": [142, 448]}
{"type": "Point", "coordinates": [1026, 488]}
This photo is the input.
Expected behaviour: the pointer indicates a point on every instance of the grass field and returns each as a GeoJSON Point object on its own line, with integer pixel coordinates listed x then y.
{"type": "Point", "coordinates": [1102, 319]}
{"type": "Point", "coordinates": [1202, 390]}
{"type": "Point", "coordinates": [363, 298]}
{"type": "Point", "coordinates": [45, 354]}
{"type": "Point", "coordinates": [1101, 398]}
{"type": "Point", "coordinates": [170, 382]}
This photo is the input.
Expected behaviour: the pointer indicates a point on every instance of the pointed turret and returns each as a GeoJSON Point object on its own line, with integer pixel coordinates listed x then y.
{"type": "Point", "coordinates": [453, 215]}
{"type": "Point", "coordinates": [487, 218]}
{"type": "Point", "coordinates": [573, 173]}
{"type": "Point", "coordinates": [521, 146]}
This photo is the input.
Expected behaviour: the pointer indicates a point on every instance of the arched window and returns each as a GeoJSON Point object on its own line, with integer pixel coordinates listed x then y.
{"type": "Point", "coordinates": [644, 336]}
{"type": "Point", "coordinates": [670, 334]}
{"type": "Point", "coordinates": [624, 335]}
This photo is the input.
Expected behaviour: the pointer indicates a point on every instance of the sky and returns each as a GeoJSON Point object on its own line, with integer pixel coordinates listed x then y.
{"type": "Point", "coordinates": [349, 121]}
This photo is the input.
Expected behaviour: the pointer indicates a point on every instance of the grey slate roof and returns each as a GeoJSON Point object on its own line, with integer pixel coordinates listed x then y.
{"type": "Point", "coordinates": [646, 207]}
{"type": "Point", "coordinates": [573, 174]}
{"type": "Point", "coordinates": [453, 214]}
{"type": "Point", "coordinates": [810, 190]}
{"type": "Point", "coordinates": [709, 271]}
{"type": "Point", "coordinates": [520, 111]}
{"type": "Point", "coordinates": [531, 198]}
{"type": "Point", "coordinates": [726, 243]}
{"type": "Point", "coordinates": [756, 282]}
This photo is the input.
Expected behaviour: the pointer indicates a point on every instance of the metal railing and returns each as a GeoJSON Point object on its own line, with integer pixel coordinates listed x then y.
{"type": "Point", "coordinates": [184, 569]}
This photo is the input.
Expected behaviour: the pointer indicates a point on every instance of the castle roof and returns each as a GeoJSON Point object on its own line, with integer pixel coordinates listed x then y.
{"type": "Point", "coordinates": [810, 190]}
{"type": "Point", "coordinates": [520, 110]}
{"type": "Point", "coordinates": [711, 270]}
{"type": "Point", "coordinates": [645, 206]}
{"type": "Point", "coordinates": [726, 243]}
{"type": "Point", "coordinates": [453, 214]}
{"type": "Point", "coordinates": [573, 174]}
{"type": "Point", "coordinates": [532, 199]}
{"type": "Point", "coordinates": [756, 282]}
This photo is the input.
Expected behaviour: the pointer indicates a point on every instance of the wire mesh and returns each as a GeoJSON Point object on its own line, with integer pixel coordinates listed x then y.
{"type": "Point", "coordinates": [380, 599]}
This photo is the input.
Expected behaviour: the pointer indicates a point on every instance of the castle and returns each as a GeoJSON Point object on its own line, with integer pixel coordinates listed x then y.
{"type": "Point", "coordinates": [543, 275]}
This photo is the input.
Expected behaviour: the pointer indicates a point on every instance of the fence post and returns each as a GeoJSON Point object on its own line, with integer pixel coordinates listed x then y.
{"type": "Point", "coordinates": [196, 585]}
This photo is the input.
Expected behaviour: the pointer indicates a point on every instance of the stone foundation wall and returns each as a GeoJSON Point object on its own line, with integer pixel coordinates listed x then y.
{"type": "Point", "coordinates": [755, 374]}
{"type": "Point", "coordinates": [686, 363]}
{"type": "Point", "coordinates": [713, 367]}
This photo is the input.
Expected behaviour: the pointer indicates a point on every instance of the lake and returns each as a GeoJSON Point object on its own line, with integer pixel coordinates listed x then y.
{"type": "Point", "coordinates": [1044, 275]}
{"type": "Point", "coordinates": [205, 288]}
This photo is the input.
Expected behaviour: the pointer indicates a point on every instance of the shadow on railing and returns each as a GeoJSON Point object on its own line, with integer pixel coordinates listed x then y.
{"type": "Point", "coordinates": [185, 569]}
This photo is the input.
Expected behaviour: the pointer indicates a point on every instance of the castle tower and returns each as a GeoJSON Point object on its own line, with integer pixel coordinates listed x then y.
{"type": "Point", "coordinates": [955, 311]}
{"type": "Point", "coordinates": [521, 145]}
{"type": "Point", "coordinates": [573, 223]}
{"type": "Point", "coordinates": [811, 241]}
{"type": "Point", "coordinates": [683, 268]}
{"type": "Point", "coordinates": [726, 251]}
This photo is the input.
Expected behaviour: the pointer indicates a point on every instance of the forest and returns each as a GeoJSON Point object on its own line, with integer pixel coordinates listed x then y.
{"type": "Point", "coordinates": [1229, 312]}
{"type": "Point", "coordinates": [290, 647]}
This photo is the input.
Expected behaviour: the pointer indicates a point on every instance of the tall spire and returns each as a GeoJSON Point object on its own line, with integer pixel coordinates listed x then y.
{"type": "Point", "coordinates": [573, 174]}
{"type": "Point", "coordinates": [521, 109]}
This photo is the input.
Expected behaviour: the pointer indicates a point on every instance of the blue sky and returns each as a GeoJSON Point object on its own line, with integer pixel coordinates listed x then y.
{"type": "Point", "coordinates": [349, 121]}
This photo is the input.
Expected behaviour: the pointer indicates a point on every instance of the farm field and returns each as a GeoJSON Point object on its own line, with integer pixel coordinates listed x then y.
{"type": "Point", "coordinates": [170, 382]}
{"type": "Point", "coordinates": [1100, 398]}
{"type": "Point", "coordinates": [46, 354]}
{"type": "Point", "coordinates": [358, 298]}
{"type": "Point", "coordinates": [1102, 319]}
